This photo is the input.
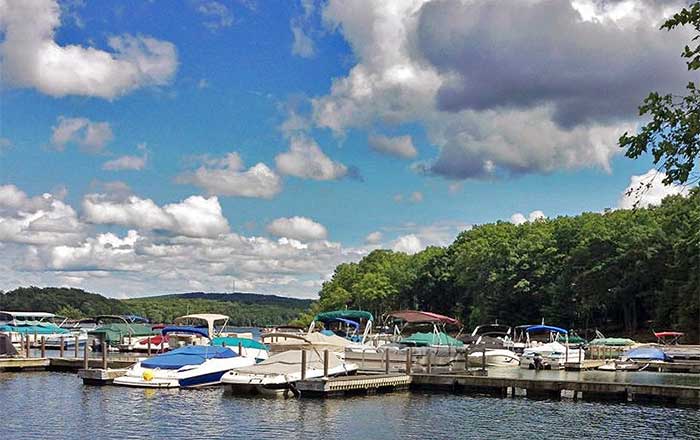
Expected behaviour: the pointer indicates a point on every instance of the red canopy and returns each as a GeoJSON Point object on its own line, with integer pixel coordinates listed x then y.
{"type": "Point", "coordinates": [415, 316]}
{"type": "Point", "coordinates": [667, 334]}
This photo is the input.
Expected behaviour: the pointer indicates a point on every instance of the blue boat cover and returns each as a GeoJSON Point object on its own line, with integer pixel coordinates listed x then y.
{"type": "Point", "coordinates": [537, 328]}
{"type": "Point", "coordinates": [646, 353]}
{"type": "Point", "coordinates": [186, 329]}
{"type": "Point", "coordinates": [190, 355]}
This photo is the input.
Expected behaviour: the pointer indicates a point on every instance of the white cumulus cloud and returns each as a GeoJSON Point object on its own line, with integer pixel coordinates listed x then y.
{"type": "Point", "coordinates": [374, 237]}
{"type": "Point", "coordinates": [648, 189]}
{"type": "Point", "coordinates": [31, 57]}
{"type": "Point", "coordinates": [300, 228]}
{"type": "Point", "coordinates": [228, 177]}
{"type": "Point", "coordinates": [91, 137]}
{"type": "Point", "coordinates": [306, 160]}
{"type": "Point", "coordinates": [519, 218]}
{"type": "Point", "coordinates": [399, 146]}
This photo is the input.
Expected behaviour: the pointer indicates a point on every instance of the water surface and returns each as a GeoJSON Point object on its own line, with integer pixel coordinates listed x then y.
{"type": "Point", "coordinates": [57, 405]}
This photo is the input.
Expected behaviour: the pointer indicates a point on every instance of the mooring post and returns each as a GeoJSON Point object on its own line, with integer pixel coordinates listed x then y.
{"type": "Point", "coordinates": [75, 349]}
{"type": "Point", "coordinates": [428, 369]}
{"type": "Point", "coordinates": [36, 339]}
{"type": "Point", "coordinates": [43, 346]}
{"type": "Point", "coordinates": [303, 365]}
{"type": "Point", "coordinates": [325, 362]}
{"type": "Point", "coordinates": [566, 355]}
{"type": "Point", "coordinates": [104, 353]}
{"type": "Point", "coordinates": [483, 358]}
{"type": "Point", "coordinates": [149, 345]}
{"type": "Point", "coordinates": [466, 360]}
{"type": "Point", "coordinates": [28, 344]}
{"type": "Point", "coordinates": [61, 346]}
{"type": "Point", "coordinates": [240, 348]}
{"type": "Point", "coordinates": [409, 355]}
{"type": "Point", "coordinates": [580, 350]}
{"type": "Point", "coordinates": [86, 365]}
{"type": "Point", "coordinates": [387, 365]}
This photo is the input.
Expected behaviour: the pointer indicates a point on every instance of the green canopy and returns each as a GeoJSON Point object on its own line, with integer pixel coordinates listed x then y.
{"type": "Point", "coordinates": [612, 342]}
{"type": "Point", "coordinates": [427, 339]}
{"type": "Point", "coordinates": [233, 342]}
{"type": "Point", "coordinates": [114, 333]}
{"type": "Point", "coordinates": [344, 314]}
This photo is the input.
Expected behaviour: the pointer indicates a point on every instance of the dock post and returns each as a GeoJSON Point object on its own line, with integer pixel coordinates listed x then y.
{"type": "Point", "coordinates": [387, 365]}
{"type": "Point", "coordinates": [75, 349]}
{"type": "Point", "coordinates": [303, 364]}
{"type": "Point", "coordinates": [580, 350]}
{"type": "Point", "coordinates": [483, 359]}
{"type": "Point", "coordinates": [429, 362]}
{"type": "Point", "coordinates": [325, 362]}
{"type": "Point", "coordinates": [566, 355]}
{"type": "Point", "coordinates": [43, 346]}
{"type": "Point", "coordinates": [104, 353]}
{"type": "Point", "coordinates": [409, 356]}
{"type": "Point", "coordinates": [28, 343]}
{"type": "Point", "coordinates": [86, 365]}
{"type": "Point", "coordinates": [466, 360]}
{"type": "Point", "coordinates": [36, 338]}
{"type": "Point", "coordinates": [149, 345]}
{"type": "Point", "coordinates": [240, 348]}
{"type": "Point", "coordinates": [61, 346]}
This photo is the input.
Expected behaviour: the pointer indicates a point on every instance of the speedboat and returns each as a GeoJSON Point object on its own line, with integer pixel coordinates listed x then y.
{"type": "Point", "coordinates": [185, 367]}
{"type": "Point", "coordinates": [494, 358]}
{"type": "Point", "coordinates": [549, 355]}
{"type": "Point", "coordinates": [117, 330]}
{"type": "Point", "coordinates": [344, 323]}
{"type": "Point", "coordinates": [279, 372]}
{"type": "Point", "coordinates": [18, 325]}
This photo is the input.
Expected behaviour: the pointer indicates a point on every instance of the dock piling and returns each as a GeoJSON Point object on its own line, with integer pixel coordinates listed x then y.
{"type": "Point", "coordinates": [409, 356]}
{"type": "Point", "coordinates": [85, 357]}
{"type": "Point", "coordinates": [240, 348]}
{"type": "Point", "coordinates": [387, 362]}
{"type": "Point", "coordinates": [104, 353]}
{"type": "Point", "coordinates": [43, 346]}
{"type": "Point", "coordinates": [483, 358]}
{"type": "Point", "coordinates": [428, 357]}
{"type": "Point", "coordinates": [62, 346]}
{"type": "Point", "coordinates": [28, 344]}
{"type": "Point", "coordinates": [75, 349]}
{"type": "Point", "coordinates": [303, 365]}
{"type": "Point", "coordinates": [325, 362]}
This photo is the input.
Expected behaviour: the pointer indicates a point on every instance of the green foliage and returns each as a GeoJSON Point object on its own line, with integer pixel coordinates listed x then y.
{"type": "Point", "coordinates": [673, 134]}
{"type": "Point", "coordinates": [624, 272]}
{"type": "Point", "coordinates": [73, 303]}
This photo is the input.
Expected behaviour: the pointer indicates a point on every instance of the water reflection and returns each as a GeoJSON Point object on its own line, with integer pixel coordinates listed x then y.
{"type": "Point", "coordinates": [42, 405]}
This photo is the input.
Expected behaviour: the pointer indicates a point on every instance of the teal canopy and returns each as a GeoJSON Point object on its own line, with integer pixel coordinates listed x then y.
{"type": "Point", "coordinates": [344, 314]}
{"type": "Point", "coordinates": [427, 339]}
{"type": "Point", "coordinates": [39, 329]}
{"type": "Point", "coordinates": [233, 342]}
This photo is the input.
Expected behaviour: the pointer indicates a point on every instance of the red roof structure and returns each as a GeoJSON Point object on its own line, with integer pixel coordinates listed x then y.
{"type": "Point", "coordinates": [416, 316]}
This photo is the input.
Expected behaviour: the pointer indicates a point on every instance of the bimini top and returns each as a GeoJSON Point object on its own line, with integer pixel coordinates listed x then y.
{"type": "Point", "coordinates": [343, 314]}
{"type": "Point", "coordinates": [551, 328]}
{"type": "Point", "coordinates": [415, 316]}
{"type": "Point", "coordinates": [189, 355]}
{"type": "Point", "coordinates": [229, 341]}
{"type": "Point", "coordinates": [28, 314]}
{"type": "Point", "coordinates": [668, 334]}
{"type": "Point", "coordinates": [185, 329]}
{"type": "Point", "coordinates": [350, 322]}
{"type": "Point", "coordinates": [209, 317]}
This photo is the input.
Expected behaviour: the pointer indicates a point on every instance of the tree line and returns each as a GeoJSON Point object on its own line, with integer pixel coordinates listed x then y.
{"type": "Point", "coordinates": [624, 272]}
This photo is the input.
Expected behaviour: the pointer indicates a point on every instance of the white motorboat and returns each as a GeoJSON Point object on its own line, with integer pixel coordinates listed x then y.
{"type": "Point", "coordinates": [279, 372]}
{"type": "Point", "coordinates": [550, 355]}
{"type": "Point", "coordinates": [19, 325]}
{"type": "Point", "coordinates": [185, 367]}
{"type": "Point", "coordinates": [494, 358]}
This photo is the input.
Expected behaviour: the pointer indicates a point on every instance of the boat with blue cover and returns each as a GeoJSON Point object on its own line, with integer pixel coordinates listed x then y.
{"type": "Point", "coordinates": [551, 353]}
{"type": "Point", "coordinates": [18, 325]}
{"type": "Point", "coordinates": [186, 367]}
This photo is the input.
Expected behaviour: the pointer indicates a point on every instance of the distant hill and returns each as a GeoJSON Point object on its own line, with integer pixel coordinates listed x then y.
{"type": "Point", "coordinates": [245, 309]}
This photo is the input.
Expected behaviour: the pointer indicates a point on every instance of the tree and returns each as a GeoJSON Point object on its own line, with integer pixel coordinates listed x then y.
{"type": "Point", "coordinates": [673, 134]}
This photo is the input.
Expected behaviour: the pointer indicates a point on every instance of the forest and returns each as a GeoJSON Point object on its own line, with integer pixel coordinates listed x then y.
{"type": "Point", "coordinates": [244, 309]}
{"type": "Point", "coordinates": [623, 272]}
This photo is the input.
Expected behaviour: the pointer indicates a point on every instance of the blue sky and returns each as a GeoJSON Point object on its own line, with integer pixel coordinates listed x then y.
{"type": "Point", "coordinates": [128, 109]}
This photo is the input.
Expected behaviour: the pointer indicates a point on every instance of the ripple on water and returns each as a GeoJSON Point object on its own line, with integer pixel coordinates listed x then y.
{"type": "Point", "coordinates": [42, 405]}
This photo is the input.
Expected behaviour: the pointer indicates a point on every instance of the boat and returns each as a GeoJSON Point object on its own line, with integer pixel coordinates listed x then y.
{"type": "Point", "coordinates": [638, 359]}
{"type": "Point", "coordinates": [549, 355]}
{"type": "Point", "coordinates": [243, 346]}
{"type": "Point", "coordinates": [494, 357]}
{"type": "Point", "coordinates": [76, 328]}
{"type": "Point", "coordinates": [668, 338]}
{"type": "Point", "coordinates": [116, 330]}
{"type": "Point", "coordinates": [280, 372]}
{"type": "Point", "coordinates": [198, 329]}
{"type": "Point", "coordinates": [185, 367]}
{"type": "Point", "coordinates": [17, 325]}
{"type": "Point", "coordinates": [424, 329]}
{"type": "Point", "coordinates": [602, 341]}
{"type": "Point", "coordinates": [281, 342]}
{"type": "Point", "coordinates": [344, 323]}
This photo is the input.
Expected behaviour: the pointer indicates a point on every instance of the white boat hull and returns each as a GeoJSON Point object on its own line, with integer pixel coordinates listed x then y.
{"type": "Point", "coordinates": [494, 358]}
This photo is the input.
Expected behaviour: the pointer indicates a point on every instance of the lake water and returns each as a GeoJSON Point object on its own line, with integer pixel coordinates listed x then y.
{"type": "Point", "coordinates": [57, 405]}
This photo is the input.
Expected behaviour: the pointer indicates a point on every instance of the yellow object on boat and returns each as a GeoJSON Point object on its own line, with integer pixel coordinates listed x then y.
{"type": "Point", "coordinates": [147, 375]}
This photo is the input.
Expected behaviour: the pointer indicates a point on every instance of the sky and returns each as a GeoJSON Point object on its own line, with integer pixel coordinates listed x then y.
{"type": "Point", "coordinates": [170, 146]}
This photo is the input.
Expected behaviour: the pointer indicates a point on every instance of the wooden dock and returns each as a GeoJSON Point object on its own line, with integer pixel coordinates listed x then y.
{"type": "Point", "coordinates": [358, 384]}
{"type": "Point", "coordinates": [23, 364]}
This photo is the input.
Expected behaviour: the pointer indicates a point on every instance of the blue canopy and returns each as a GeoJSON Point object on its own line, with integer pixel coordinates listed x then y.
{"type": "Point", "coordinates": [537, 328]}
{"type": "Point", "coordinates": [190, 355]}
{"type": "Point", "coordinates": [348, 322]}
{"type": "Point", "coordinates": [646, 353]}
{"type": "Point", "coordinates": [185, 329]}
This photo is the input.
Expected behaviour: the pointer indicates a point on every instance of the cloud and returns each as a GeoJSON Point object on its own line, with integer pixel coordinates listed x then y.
{"type": "Point", "coordinates": [416, 197]}
{"type": "Point", "coordinates": [300, 228]}
{"type": "Point", "coordinates": [303, 45]}
{"type": "Point", "coordinates": [91, 137]}
{"type": "Point", "coordinates": [306, 160]}
{"type": "Point", "coordinates": [43, 219]}
{"type": "Point", "coordinates": [195, 216]}
{"type": "Point", "coordinates": [227, 177]}
{"type": "Point", "coordinates": [519, 218]}
{"type": "Point", "coordinates": [409, 244]}
{"type": "Point", "coordinates": [218, 15]}
{"type": "Point", "coordinates": [32, 58]}
{"type": "Point", "coordinates": [502, 89]}
{"type": "Point", "coordinates": [135, 163]}
{"type": "Point", "coordinates": [400, 146]}
{"type": "Point", "coordinates": [648, 190]}
{"type": "Point", "coordinates": [374, 237]}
